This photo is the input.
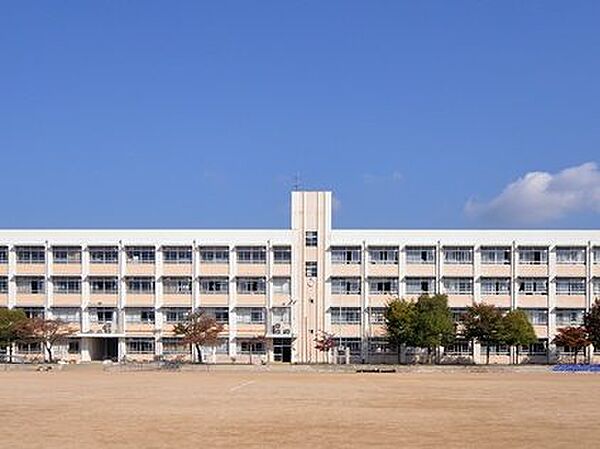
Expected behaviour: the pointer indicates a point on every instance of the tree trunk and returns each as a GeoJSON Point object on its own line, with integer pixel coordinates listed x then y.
{"type": "Point", "coordinates": [49, 350]}
{"type": "Point", "coordinates": [575, 355]}
{"type": "Point", "coordinates": [487, 354]}
{"type": "Point", "coordinates": [10, 352]}
{"type": "Point", "coordinates": [517, 361]}
{"type": "Point", "coordinates": [199, 352]}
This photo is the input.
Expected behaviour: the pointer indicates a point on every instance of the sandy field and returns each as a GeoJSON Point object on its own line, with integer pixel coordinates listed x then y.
{"type": "Point", "coordinates": [90, 408]}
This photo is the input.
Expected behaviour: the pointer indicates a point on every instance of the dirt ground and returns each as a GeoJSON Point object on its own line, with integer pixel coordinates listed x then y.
{"type": "Point", "coordinates": [89, 408]}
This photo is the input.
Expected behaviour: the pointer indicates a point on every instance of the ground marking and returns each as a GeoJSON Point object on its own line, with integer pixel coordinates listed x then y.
{"type": "Point", "coordinates": [242, 385]}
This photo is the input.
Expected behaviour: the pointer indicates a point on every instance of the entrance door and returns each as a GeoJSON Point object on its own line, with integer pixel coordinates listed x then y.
{"type": "Point", "coordinates": [110, 349]}
{"type": "Point", "coordinates": [282, 350]}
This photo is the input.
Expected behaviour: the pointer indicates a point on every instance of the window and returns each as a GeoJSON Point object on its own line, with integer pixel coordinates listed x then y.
{"type": "Point", "coordinates": [282, 254]}
{"type": "Point", "coordinates": [29, 348]}
{"type": "Point", "coordinates": [251, 286]}
{"type": "Point", "coordinates": [140, 254]}
{"type": "Point", "coordinates": [383, 286]}
{"type": "Point", "coordinates": [596, 253]}
{"type": "Point", "coordinates": [538, 348]}
{"type": "Point", "coordinates": [380, 345]}
{"type": "Point", "coordinates": [281, 286]}
{"type": "Point", "coordinates": [495, 286]}
{"type": "Point", "coordinates": [459, 348]}
{"type": "Point", "coordinates": [30, 285]}
{"type": "Point", "coordinates": [251, 347]}
{"type": "Point", "coordinates": [139, 316]}
{"type": "Point", "coordinates": [351, 343]}
{"type": "Point", "coordinates": [173, 345]}
{"type": "Point", "coordinates": [495, 349]}
{"type": "Point", "coordinates": [250, 315]}
{"type": "Point", "coordinates": [102, 315]}
{"type": "Point", "coordinates": [533, 286]}
{"type": "Point", "coordinates": [67, 285]}
{"type": "Point", "coordinates": [310, 269]}
{"type": "Point", "coordinates": [214, 254]}
{"type": "Point", "coordinates": [311, 238]}
{"type": "Point", "coordinates": [3, 285]}
{"type": "Point", "coordinates": [377, 315]}
{"type": "Point", "coordinates": [220, 314]}
{"type": "Point", "coordinates": [458, 286]}
{"type": "Point", "coordinates": [420, 286]}
{"type": "Point", "coordinates": [281, 315]}
{"type": "Point", "coordinates": [569, 317]}
{"type": "Point", "coordinates": [73, 346]}
{"type": "Point", "coordinates": [495, 255]}
{"type": "Point", "coordinates": [251, 254]}
{"type": "Point", "coordinates": [140, 345]}
{"type": "Point", "coordinates": [104, 254]}
{"type": "Point", "coordinates": [570, 286]}
{"type": "Point", "coordinates": [67, 314]}
{"type": "Point", "coordinates": [176, 314]}
{"type": "Point", "coordinates": [385, 255]}
{"type": "Point", "coordinates": [177, 254]}
{"type": "Point", "coordinates": [570, 256]}
{"type": "Point", "coordinates": [420, 255]}
{"type": "Point", "coordinates": [177, 285]}
{"type": "Point", "coordinates": [31, 254]}
{"type": "Point", "coordinates": [104, 285]}
{"type": "Point", "coordinates": [458, 313]}
{"type": "Point", "coordinates": [345, 286]}
{"type": "Point", "coordinates": [537, 317]}
{"type": "Point", "coordinates": [345, 315]}
{"type": "Point", "coordinates": [458, 255]}
{"type": "Point", "coordinates": [533, 255]}
{"type": "Point", "coordinates": [3, 254]}
{"type": "Point", "coordinates": [33, 312]}
{"type": "Point", "coordinates": [66, 254]}
{"type": "Point", "coordinates": [345, 255]}
{"type": "Point", "coordinates": [597, 286]}
{"type": "Point", "coordinates": [214, 286]}
{"type": "Point", "coordinates": [140, 285]}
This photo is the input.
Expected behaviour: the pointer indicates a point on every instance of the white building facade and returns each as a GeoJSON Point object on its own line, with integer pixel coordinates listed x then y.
{"type": "Point", "coordinates": [275, 291]}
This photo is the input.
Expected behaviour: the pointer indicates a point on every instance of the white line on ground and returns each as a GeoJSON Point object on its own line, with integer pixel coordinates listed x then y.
{"type": "Point", "coordinates": [242, 385]}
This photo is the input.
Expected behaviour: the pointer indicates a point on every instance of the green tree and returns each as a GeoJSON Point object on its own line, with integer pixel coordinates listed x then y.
{"type": "Point", "coordinates": [198, 330]}
{"type": "Point", "coordinates": [11, 329]}
{"type": "Point", "coordinates": [572, 337]}
{"type": "Point", "coordinates": [517, 330]}
{"type": "Point", "coordinates": [400, 316]}
{"type": "Point", "coordinates": [483, 323]}
{"type": "Point", "coordinates": [591, 323]}
{"type": "Point", "coordinates": [434, 326]}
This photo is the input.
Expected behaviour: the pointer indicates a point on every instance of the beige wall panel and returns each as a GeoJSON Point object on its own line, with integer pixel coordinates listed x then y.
{"type": "Point", "coordinates": [252, 270]}
{"type": "Point", "coordinates": [3, 269]}
{"type": "Point", "coordinates": [532, 270]}
{"type": "Point", "coordinates": [495, 271]}
{"type": "Point", "coordinates": [214, 269]}
{"type": "Point", "coordinates": [144, 330]}
{"type": "Point", "coordinates": [380, 300]}
{"type": "Point", "coordinates": [31, 269]}
{"type": "Point", "coordinates": [460, 300]}
{"type": "Point", "coordinates": [578, 271]}
{"type": "Point", "coordinates": [279, 299]}
{"type": "Point", "coordinates": [250, 330]}
{"type": "Point", "coordinates": [173, 300]}
{"type": "Point", "coordinates": [251, 300]}
{"type": "Point", "coordinates": [570, 301]}
{"type": "Point", "coordinates": [177, 269]}
{"type": "Point", "coordinates": [3, 300]}
{"type": "Point", "coordinates": [104, 269]}
{"type": "Point", "coordinates": [343, 270]}
{"type": "Point", "coordinates": [541, 331]}
{"type": "Point", "coordinates": [140, 269]}
{"type": "Point", "coordinates": [457, 270]}
{"type": "Point", "coordinates": [282, 270]}
{"type": "Point", "coordinates": [346, 330]}
{"type": "Point", "coordinates": [529, 301]}
{"type": "Point", "coordinates": [31, 300]}
{"type": "Point", "coordinates": [214, 300]}
{"type": "Point", "coordinates": [66, 269]}
{"type": "Point", "coordinates": [596, 270]}
{"type": "Point", "coordinates": [383, 270]}
{"type": "Point", "coordinates": [66, 300]}
{"type": "Point", "coordinates": [420, 270]}
{"type": "Point", "coordinates": [345, 300]}
{"type": "Point", "coordinates": [502, 301]}
{"type": "Point", "coordinates": [103, 300]}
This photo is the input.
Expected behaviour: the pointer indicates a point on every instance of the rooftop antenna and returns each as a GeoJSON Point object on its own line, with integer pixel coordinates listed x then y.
{"type": "Point", "coordinates": [297, 183]}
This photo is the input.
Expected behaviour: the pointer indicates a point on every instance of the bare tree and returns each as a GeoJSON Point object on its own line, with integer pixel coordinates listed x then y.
{"type": "Point", "coordinates": [198, 330]}
{"type": "Point", "coordinates": [47, 332]}
{"type": "Point", "coordinates": [325, 342]}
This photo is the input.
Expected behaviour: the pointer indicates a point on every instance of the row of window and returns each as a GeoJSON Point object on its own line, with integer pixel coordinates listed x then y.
{"type": "Point", "coordinates": [461, 286]}
{"type": "Point", "coordinates": [147, 285]}
{"type": "Point", "coordinates": [147, 254]}
{"type": "Point", "coordinates": [375, 315]}
{"type": "Point", "coordinates": [461, 255]}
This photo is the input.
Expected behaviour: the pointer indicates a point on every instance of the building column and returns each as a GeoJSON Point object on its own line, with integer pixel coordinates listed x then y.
{"type": "Point", "coordinates": [232, 303]}
{"type": "Point", "coordinates": [551, 329]}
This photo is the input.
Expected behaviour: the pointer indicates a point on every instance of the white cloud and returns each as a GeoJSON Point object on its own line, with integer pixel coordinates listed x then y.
{"type": "Point", "coordinates": [540, 197]}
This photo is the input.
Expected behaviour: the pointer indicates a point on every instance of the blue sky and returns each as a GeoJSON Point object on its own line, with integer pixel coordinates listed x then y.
{"type": "Point", "coordinates": [190, 114]}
